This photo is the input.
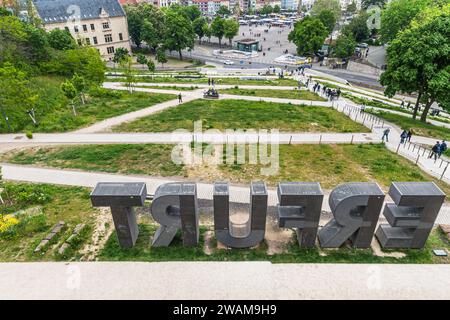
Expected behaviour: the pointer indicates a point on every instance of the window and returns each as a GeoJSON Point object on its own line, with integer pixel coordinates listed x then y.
{"type": "Point", "coordinates": [84, 28]}
{"type": "Point", "coordinates": [120, 37]}
{"type": "Point", "coordinates": [88, 41]}
{"type": "Point", "coordinates": [105, 25]}
{"type": "Point", "coordinates": [94, 39]}
{"type": "Point", "coordinates": [75, 28]}
{"type": "Point", "coordinates": [92, 27]}
{"type": "Point", "coordinates": [108, 38]}
{"type": "Point", "coordinates": [110, 50]}
{"type": "Point", "coordinates": [67, 29]}
{"type": "Point", "coordinates": [79, 42]}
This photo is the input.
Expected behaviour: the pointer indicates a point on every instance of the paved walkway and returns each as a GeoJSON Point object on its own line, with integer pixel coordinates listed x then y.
{"type": "Point", "coordinates": [222, 280]}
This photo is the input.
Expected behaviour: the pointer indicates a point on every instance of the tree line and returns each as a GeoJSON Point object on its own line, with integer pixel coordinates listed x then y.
{"type": "Point", "coordinates": [175, 28]}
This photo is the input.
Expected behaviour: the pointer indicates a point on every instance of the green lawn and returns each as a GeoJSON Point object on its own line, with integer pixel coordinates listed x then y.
{"type": "Point", "coordinates": [54, 113]}
{"type": "Point", "coordinates": [237, 114]}
{"type": "Point", "coordinates": [287, 94]}
{"type": "Point", "coordinates": [204, 80]}
{"type": "Point", "coordinates": [328, 164]}
{"type": "Point", "coordinates": [43, 206]}
{"type": "Point", "coordinates": [418, 127]}
{"type": "Point", "coordinates": [170, 87]}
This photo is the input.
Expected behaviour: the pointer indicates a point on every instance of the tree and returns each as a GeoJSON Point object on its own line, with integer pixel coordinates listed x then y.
{"type": "Point", "coordinates": [358, 27]}
{"type": "Point", "coordinates": [70, 92]}
{"type": "Point", "coordinates": [120, 54]}
{"type": "Point", "coordinates": [192, 12]}
{"type": "Point", "coordinates": [237, 10]}
{"type": "Point", "coordinates": [151, 65]}
{"type": "Point", "coordinates": [61, 40]}
{"type": "Point", "coordinates": [419, 58]}
{"type": "Point", "coordinates": [308, 35]}
{"type": "Point", "coordinates": [161, 56]}
{"type": "Point", "coordinates": [80, 85]}
{"type": "Point", "coordinates": [266, 9]}
{"type": "Point", "coordinates": [207, 31]}
{"type": "Point", "coordinates": [127, 64]}
{"type": "Point", "coordinates": [276, 9]}
{"type": "Point", "coordinates": [223, 11]}
{"type": "Point", "coordinates": [199, 27]}
{"type": "Point", "coordinates": [365, 4]}
{"type": "Point", "coordinates": [179, 32]}
{"type": "Point", "coordinates": [344, 46]}
{"type": "Point", "coordinates": [141, 59]}
{"type": "Point", "coordinates": [331, 5]}
{"type": "Point", "coordinates": [217, 28]}
{"type": "Point", "coordinates": [15, 97]}
{"type": "Point", "coordinates": [398, 15]}
{"type": "Point", "coordinates": [231, 29]}
{"type": "Point", "coordinates": [328, 19]}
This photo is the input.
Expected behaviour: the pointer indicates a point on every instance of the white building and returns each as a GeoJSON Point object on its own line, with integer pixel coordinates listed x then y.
{"type": "Point", "coordinates": [99, 23]}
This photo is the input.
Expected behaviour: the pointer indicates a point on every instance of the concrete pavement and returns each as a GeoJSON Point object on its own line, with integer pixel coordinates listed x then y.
{"type": "Point", "coordinates": [222, 280]}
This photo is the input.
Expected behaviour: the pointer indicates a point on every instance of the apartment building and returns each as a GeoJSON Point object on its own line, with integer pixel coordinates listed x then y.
{"type": "Point", "coordinates": [99, 23]}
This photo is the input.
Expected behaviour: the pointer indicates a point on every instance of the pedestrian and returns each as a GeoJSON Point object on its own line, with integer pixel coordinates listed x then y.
{"type": "Point", "coordinates": [403, 136]}
{"type": "Point", "coordinates": [435, 151]}
{"type": "Point", "coordinates": [442, 148]}
{"type": "Point", "coordinates": [338, 93]}
{"type": "Point", "coordinates": [180, 98]}
{"type": "Point", "coordinates": [409, 135]}
{"type": "Point", "coordinates": [409, 105]}
{"type": "Point", "coordinates": [209, 81]}
{"type": "Point", "coordinates": [403, 103]}
{"type": "Point", "coordinates": [212, 82]}
{"type": "Point", "coordinates": [386, 135]}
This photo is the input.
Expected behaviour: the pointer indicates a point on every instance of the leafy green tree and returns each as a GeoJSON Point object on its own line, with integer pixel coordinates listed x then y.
{"type": "Point", "coordinates": [120, 54]}
{"type": "Point", "coordinates": [365, 4]}
{"type": "Point", "coordinates": [308, 35]}
{"type": "Point", "coordinates": [70, 92]}
{"type": "Point", "coordinates": [328, 19]}
{"type": "Point", "coordinates": [4, 12]}
{"type": "Point", "coordinates": [344, 46]}
{"type": "Point", "coordinates": [398, 15]}
{"type": "Point", "coordinates": [237, 10]}
{"type": "Point", "coordinates": [419, 58]}
{"type": "Point", "coordinates": [207, 31]}
{"type": "Point", "coordinates": [231, 29]}
{"type": "Point", "coordinates": [12, 37]}
{"type": "Point", "coordinates": [266, 9]}
{"type": "Point", "coordinates": [199, 27]}
{"type": "Point", "coordinates": [218, 28]}
{"type": "Point", "coordinates": [161, 56]}
{"type": "Point", "coordinates": [192, 12]}
{"type": "Point", "coordinates": [61, 40]}
{"type": "Point", "coordinates": [37, 45]}
{"type": "Point", "coordinates": [141, 59]}
{"type": "Point", "coordinates": [331, 5]}
{"type": "Point", "coordinates": [223, 11]}
{"type": "Point", "coordinates": [127, 64]}
{"type": "Point", "coordinates": [80, 85]}
{"type": "Point", "coordinates": [276, 9]}
{"type": "Point", "coordinates": [15, 98]}
{"type": "Point", "coordinates": [358, 27]}
{"type": "Point", "coordinates": [179, 33]}
{"type": "Point", "coordinates": [151, 65]}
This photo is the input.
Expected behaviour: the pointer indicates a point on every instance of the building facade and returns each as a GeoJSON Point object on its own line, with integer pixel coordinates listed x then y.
{"type": "Point", "coordinates": [99, 23]}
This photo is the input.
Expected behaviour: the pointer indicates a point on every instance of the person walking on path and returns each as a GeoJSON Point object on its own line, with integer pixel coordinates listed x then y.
{"type": "Point", "coordinates": [403, 137]}
{"type": "Point", "coordinates": [435, 151]}
{"type": "Point", "coordinates": [209, 81]}
{"type": "Point", "coordinates": [386, 134]}
{"type": "Point", "coordinates": [180, 98]}
{"type": "Point", "coordinates": [409, 135]}
{"type": "Point", "coordinates": [442, 148]}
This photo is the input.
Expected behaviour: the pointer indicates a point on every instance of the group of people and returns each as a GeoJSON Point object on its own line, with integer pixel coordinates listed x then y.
{"type": "Point", "coordinates": [406, 136]}
{"type": "Point", "coordinates": [211, 82]}
{"type": "Point", "coordinates": [438, 149]}
{"type": "Point", "coordinates": [328, 92]}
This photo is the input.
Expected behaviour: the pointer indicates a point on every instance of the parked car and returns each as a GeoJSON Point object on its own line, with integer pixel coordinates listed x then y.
{"type": "Point", "coordinates": [228, 62]}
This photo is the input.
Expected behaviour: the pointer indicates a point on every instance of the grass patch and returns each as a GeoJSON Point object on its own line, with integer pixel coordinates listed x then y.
{"type": "Point", "coordinates": [54, 113]}
{"type": "Point", "coordinates": [286, 94]}
{"type": "Point", "coordinates": [143, 251]}
{"type": "Point", "coordinates": [418, 127]}
{"type": "Point", "coordinates": [53, 204]}
{"type": "Point", "coordinates": [169, 87]}
{"type": "Point", "coordinates": [233, 114]}
{"type": "Point", "coordinates": [328, 164]}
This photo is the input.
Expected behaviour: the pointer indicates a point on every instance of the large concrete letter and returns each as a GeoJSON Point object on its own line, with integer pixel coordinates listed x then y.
{"type": "Point", "coordinates": [244, 235]}
{"type": "Point", "coordinates": [175, 206]}
{"type": "Point", "coordinates": [299, 207]}
{"type": "Point", "coordinates": [412, 217]}
{"type": "Point", "coordinates": [356, 208]}
{"type": "Point", "coordinates": [121, 198]}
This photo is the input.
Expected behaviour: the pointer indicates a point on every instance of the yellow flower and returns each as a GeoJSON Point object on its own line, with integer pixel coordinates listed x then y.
{"type": "Point", "coordinates": [7, 221]}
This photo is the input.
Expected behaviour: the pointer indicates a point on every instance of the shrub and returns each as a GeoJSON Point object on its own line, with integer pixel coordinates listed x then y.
{"type": "Point", "coordinates": [100, 92]}
{"type": "Point", "coordinates": [29, 134]}
{"type": "Point", "coordinates": [7, 221]}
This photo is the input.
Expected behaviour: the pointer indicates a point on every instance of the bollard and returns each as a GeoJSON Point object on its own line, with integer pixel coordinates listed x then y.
{"type": "Point", "coordinates": [351, 142]}
{"type": "Point", "coordinates": [417, 160]}
{"type": "Point", "coordinates": [398, 147]}
{"type": "Point", "coordinates": [442, 160]}
{"type": "Point", "coordinates": [290, 139]}
{"type": "Point", "coordinates": [443, 172]}
{"type": "Point", "coordinates": [320, 140]}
